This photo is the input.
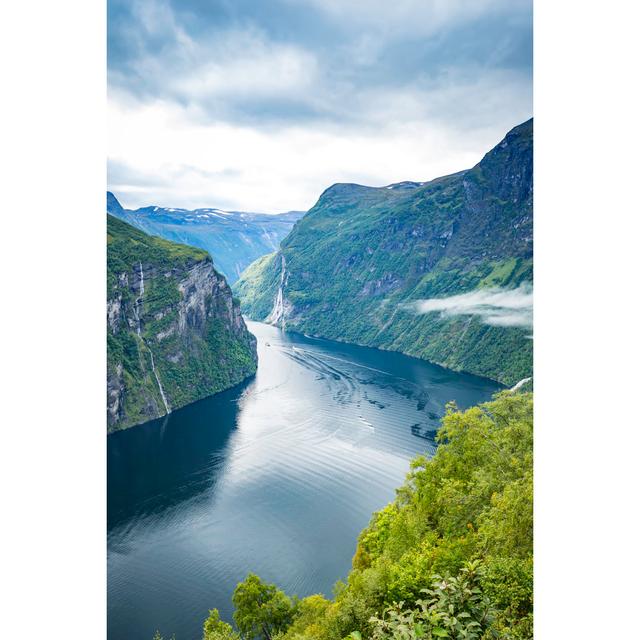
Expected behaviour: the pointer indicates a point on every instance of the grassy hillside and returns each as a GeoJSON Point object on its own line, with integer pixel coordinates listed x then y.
{"type": "Point", "coordinates": [349, 266]}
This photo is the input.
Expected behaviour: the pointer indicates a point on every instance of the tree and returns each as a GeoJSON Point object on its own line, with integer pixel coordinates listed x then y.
{"type": "Point", "coordinates": [262, 609]}
{"type": "Point", "coordinates": [216, 629]}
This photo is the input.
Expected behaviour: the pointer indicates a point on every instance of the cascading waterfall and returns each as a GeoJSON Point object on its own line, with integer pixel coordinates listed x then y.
{"type": "Point", "coordinates": [138, 302]}
{"type": "Point", "coordinates": [136, 313]}
{"type": "Point", "coordinates": [155, 373]}
{"type": "Point", "coordinates": [277, 313]}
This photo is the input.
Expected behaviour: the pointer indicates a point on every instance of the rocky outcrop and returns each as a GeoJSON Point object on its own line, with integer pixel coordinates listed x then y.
{"type": "Point", "coordinates": [175, 333]}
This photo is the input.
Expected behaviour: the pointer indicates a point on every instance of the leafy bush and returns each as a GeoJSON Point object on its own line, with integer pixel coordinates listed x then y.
{"type": "Point", "coordinates": [216, 629]}
{"type": "Point", "coordinates": [453, 608]}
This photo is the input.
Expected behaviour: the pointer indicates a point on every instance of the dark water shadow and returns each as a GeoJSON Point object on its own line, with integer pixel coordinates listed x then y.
{"type": "Point", "coordinates": [159, 464]}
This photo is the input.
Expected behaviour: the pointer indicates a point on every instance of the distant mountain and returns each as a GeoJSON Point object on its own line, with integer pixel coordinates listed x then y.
{"type": "Point", "coordinates": [351, 268]}
{"type": "Point", "coordinates": [234, 239]}
{"type": "Point", "coordinates": [174, 332]}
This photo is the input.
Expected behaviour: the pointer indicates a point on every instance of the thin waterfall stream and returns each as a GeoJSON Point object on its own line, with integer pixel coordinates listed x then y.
{"type": "Point", "coordinates": [136, 312]}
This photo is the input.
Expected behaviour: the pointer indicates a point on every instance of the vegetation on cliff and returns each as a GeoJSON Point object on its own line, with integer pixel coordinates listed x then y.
{"type": "Point", "coordinates": [451, 557]}
{"type": "Point", "coordinates": [174, 333]}
{"type": "Point", "coordinates": [348, 269]}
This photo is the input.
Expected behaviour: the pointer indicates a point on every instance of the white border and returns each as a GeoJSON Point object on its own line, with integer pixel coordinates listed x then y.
{"type": "Point", "coordinates": [52, 58]}
{"type": "Point", "coordinates": [586, 345]}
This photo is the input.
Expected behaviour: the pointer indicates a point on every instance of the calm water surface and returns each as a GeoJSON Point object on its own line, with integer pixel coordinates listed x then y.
{"type": "Point", "coordinates": [277, 476]}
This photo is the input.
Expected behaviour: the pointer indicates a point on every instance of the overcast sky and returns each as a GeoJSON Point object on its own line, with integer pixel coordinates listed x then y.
{"type": "Point", "coordinates": [259, 105]}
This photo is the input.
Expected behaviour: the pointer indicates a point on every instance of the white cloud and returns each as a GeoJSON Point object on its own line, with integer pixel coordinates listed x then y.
{"type": "Point", "coordinates": [275, 169]}
{"type": "Point", "coordinates": [250, 67]}
{"type": "Point", "coordinates": [495, 306]}
{"type": "Point", "coordinates": [237, 64]}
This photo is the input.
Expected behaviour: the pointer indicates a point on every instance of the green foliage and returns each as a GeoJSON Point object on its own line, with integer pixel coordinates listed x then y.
{"type": "Point", "coordinates": [216, 629]}
{"type": "Point", "coordinates": [451, 557]}
{"type": "Point", "coordinates": [454, 608]}
{"type": "Point", "coordinates": [308, 620]}
{"type": "Point", "coordinates": [361, 252]}
{"type": "Point", "coordinates": [262, 610]}
{"type": "Point", "coordinates": [508, 582]}
{"type": "Point", "coordinates": [257, 286]}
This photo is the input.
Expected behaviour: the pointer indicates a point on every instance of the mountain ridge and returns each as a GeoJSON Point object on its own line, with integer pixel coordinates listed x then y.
{"type": "Point", "coordinates": [360, 253]}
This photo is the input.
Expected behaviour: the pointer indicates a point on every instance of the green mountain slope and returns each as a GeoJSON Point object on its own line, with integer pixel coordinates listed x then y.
{"type": "Point", "coordinates": [348, 268]}
{"type": "Point", "coordinates": [174, 332]}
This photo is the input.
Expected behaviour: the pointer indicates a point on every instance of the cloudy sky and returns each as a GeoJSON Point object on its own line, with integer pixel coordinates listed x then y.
{"type": "Point", "coordinates": [259, 105]}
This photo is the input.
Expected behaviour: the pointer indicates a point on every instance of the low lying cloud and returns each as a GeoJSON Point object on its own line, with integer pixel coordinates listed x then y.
{"type": "Point", "coordinates": [494, 306]}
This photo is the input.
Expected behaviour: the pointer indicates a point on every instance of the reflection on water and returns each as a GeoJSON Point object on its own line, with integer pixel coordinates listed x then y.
{"type": "Point", "coordinates": [277, 476]}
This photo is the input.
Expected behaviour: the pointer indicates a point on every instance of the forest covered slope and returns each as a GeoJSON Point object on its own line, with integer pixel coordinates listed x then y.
{"type": "Point", "coordinates": [350, 269]}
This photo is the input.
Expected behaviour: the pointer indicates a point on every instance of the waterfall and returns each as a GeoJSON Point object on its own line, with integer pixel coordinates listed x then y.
{"type": "Point", "coordinates": [138, 302]}
{"type": "Point", "coordinates": [136, 313]}
{"type": "Point", "coordinates": [155, 373]}
{"type": "Point", "coordinates": [277, 313]}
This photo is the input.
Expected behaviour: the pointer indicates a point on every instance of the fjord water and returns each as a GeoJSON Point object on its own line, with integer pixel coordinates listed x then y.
{"type": "Point", "coordinates": [277, 476]}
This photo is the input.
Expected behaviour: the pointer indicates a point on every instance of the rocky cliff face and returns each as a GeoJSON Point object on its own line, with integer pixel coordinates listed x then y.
{"type": "Point", "coordinates": [175, 333]}
{"type": "Point", "coordinates": [350, 266]}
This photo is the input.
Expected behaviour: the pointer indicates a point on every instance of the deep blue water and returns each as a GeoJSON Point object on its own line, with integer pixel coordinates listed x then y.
{"type": "Point", "coordinates": [277, 476]}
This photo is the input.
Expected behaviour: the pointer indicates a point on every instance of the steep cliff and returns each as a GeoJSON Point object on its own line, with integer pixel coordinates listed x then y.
{"type": "Point", "coordinates": [174, 334]}
{"type": "Point", "coordinates": [351, 267]}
